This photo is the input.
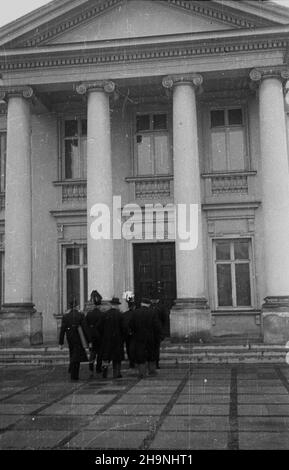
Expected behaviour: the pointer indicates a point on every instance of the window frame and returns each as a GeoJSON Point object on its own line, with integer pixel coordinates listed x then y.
{"type": "Point", "coordinates": [3, 160]}
{"type": "Point", "coordinates": [81, 266]}
{"type": "Point", "coordinates": [151, 132]}
{"type": "Point", "coordinates": [226, 130]}
{"type": "Point", "coordinates": [71, 117]}
{"type": "Point", "coordinates": [232, 262]}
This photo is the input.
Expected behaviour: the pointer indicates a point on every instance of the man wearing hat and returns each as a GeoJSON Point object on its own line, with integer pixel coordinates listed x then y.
{"type": "Point", "coordinates": [71, 324]}
{"type": "Point", "coordinates": [111, 330]}
{"type": "Point", "coordinates": [146, 331]}
{"type": "Point", "coordinates": [93, 318]}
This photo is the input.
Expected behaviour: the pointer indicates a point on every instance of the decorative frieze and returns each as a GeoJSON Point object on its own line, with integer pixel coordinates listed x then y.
{"type": "Point", "coordinates": [229, 184]}
{"type": "Point", "coordinates": [99, 85]}
{"type": "Point", "coordinates": [258, 74]}
{"type": "Point", "coordinates": [153, 189]}
{"type": "Point", "coordinates": [2, 201]}
{"type": "Point", "coordinates": [24, 91]}
{"type": "Point", "coordinates": [75, 191]}
{"type": "Point", "coordinates": [162, 52]}
{"type": "Point", "coordinates": [172, 80]}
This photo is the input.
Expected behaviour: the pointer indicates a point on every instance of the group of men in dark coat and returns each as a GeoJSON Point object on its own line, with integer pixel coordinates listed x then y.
{"type": "Point", "coordinates": [107, 329]}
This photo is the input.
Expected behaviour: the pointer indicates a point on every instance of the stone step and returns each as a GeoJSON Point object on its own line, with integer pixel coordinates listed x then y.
{"type": "Point", "coordinates": [171, 353]}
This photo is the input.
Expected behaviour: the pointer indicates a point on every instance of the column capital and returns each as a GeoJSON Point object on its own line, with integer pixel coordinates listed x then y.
{"type": "Point", "coordinates": [107, 86]}
{"type": "Point", "coordinates": [24, 91]}
{"type": "Point", "coordinates": [193, 79]}
{"type": "Point", "coordinates": [280, 72]}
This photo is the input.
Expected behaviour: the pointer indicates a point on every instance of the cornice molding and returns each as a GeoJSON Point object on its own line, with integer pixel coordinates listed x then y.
{"type": "Point", "coordinates": [219, 14]}
{"type": "Point", "coordinates": [213, 12]}
{"type": "Point", "coordinates": [143, 54]}
{"type": "Point", "coordinates": [194, 79]}
{"type": "Point", "coordinates": [259, 74]}
{"type": "Point", "coordinates": [84, 15]}
{"type": "Point", "coordinates": [23, 91]}
{"type": "Point", "coordinates": [99, 85]}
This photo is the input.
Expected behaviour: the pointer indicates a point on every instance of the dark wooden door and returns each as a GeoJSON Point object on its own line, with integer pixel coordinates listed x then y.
{"type": "Point", "coordinates": [155, 271]}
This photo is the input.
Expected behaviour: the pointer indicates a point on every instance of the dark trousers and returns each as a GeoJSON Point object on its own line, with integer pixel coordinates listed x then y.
{"type": "Point", "coordinates": [92, 357]}
{"type": "Point", "coordinates": [74, 370]}
{"type": "Point", "coordinates": [116, 366]}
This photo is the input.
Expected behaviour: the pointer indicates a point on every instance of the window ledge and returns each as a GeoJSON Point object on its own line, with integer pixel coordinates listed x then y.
{"type": "Point", "coordinates": [236, 312]}
{"type": "Point", "coordinates": [68, 182]}
{"type": "Point", "coordinates": [132, 179]}
{"type": "Point", "coordinates": [229, 174]}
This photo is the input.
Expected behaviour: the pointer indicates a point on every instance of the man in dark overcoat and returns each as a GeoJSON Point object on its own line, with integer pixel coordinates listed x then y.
{"type": "Point", "coordinates": [146, 331]}
{"type": "Point", "coordinates": [111, 331]}
{"type": "Point", "coordinates": [70, 324]}
{"type": "Point", "coordinates": [93, 319]}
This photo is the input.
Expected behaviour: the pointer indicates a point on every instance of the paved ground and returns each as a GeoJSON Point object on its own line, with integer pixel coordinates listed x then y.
{"type": "Point", "coordinates": [188, 407]}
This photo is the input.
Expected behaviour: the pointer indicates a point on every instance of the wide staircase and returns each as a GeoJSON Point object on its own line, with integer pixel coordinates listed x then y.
{"type": "Point", "coordinates": [219, 350]}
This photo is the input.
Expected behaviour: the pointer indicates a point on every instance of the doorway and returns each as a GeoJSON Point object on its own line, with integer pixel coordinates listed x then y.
{"type": "Point", "coordinates": [155, 271]}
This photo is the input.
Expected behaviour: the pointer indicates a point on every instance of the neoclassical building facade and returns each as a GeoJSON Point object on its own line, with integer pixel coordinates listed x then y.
{"type": "Point", "coordinates": [140, 106]}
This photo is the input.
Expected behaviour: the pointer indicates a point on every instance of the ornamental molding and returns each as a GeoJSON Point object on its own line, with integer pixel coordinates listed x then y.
{"type": "Point", "coordinates": [99, 85]}
{"type": "Point", "coordinates": [212, 12]}
{"type": "Point", "coordinates": [194, 79]}
{"type": "Point", "coordinates": [163, 52]}
{"type": "Point", "coordinates": [23, 91]}
{"type": "Point", "coordinates": [259, 74]}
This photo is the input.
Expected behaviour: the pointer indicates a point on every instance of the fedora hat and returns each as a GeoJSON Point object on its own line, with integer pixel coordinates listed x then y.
{"type": "Point", "coordinates": [115, 301]}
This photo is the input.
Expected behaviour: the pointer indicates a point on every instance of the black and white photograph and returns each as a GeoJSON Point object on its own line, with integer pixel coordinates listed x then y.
{"type": "Point", "coordinates": [144, 229]}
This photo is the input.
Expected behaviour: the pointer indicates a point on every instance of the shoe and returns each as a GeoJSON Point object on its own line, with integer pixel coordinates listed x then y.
{"type": "Point", "coordinates": [141, 376]}
{"type": "Point", "coordinates": [104, 372]}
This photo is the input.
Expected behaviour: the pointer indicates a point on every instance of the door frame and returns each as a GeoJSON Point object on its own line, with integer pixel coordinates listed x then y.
{"type": "Point", "coordinates": [131, 256]}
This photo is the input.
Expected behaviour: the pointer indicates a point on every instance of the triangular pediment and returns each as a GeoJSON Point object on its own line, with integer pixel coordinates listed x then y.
{"type": "Point", "coordinates": [81, 21]}
{"type": "Point", "coordinates": [140, 18]}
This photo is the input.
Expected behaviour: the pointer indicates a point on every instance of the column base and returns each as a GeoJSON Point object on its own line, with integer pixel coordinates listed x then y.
{"type": "Point", "coordinates": [20, 326]}
{"type": "Point", "coordinates": [190, 321]}
{"type": "Point", "coordinates": [275, 320]}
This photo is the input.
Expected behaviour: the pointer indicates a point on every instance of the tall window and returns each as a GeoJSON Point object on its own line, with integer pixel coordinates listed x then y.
{"type": "Point", "coordinates": [153, 154]}
{"type": "Point", "coordinates": [74, 148]}
{"type": "Point", "coordinates": [74, 275]}
{"type": "Point", "coordinates": [233, 270]}
{"type": "Point", "coordinates": [228, 139]}
{"type": "Point", "coordinates": [2, 277]}
{"type": "Point", "coordinates": [3, 140]}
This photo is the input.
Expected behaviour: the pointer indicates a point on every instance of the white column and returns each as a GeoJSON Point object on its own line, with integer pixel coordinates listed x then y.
{"type": "Point", "coordinates": [18, 204]}
{"type": "Point", "coordinates": [99, 184]}
{"type": "Point", "coordinates": [275, 201]}
{"type": "Point", "coordinates": [275, 182]}
{"type": "Point", "coordinates": [187, 188]}
{"type": "Point", "coordinates": [190, 317]}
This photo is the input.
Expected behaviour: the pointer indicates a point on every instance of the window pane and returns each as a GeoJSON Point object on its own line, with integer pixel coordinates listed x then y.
{"type": "Point", "coordinates": [243, 289]}
{"type": "Point", "coordinates": [224, 285]}
{"type": "Point", "coordinates": [236, 149]}
{"type": "Point", "coordinates": [235, 116]}
{"type": "Point", "coordinates": [2, 160]}
{"type": "Point", "coordinates": [72, 256]}
{"type": "Point", "coordinates": [219, 151]}
{"type": "Point", "coordinates": [73, 285]}
{"type": "Point", "coordinates": [85, 255]}
{"type": "Point", "coordinates": [84, 127]}
{"type": "Point", "coordinates": [143, 122]}
{"type": "Point", "coordinates": [217, 118]}
{"type": "Point", "coordinates": [144, 156]}
{"type": "Point", "coordinates": [83, 158]}
{"type": "Point", "coordinates": [162, 156]}
{"type": "Point", "coordinates": [72, 169]}
{"type": "Point", "coordinates": [71, 128]}
{"type": "Point", "coordinates": [85, 288]}
{"type": "Point", "coordinates": [241, 249]}
{"type": "Point", "coordinates": [159, 121]}
{"type": "Point", "coordinates": [223, 250]}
